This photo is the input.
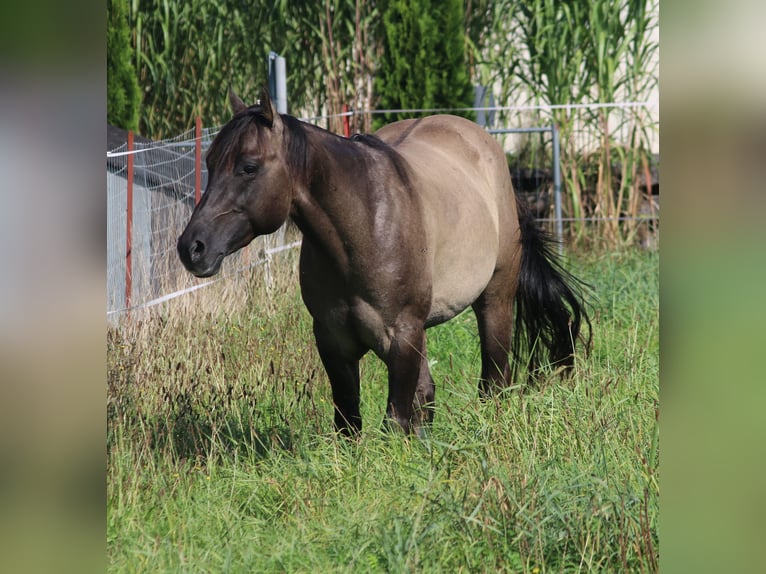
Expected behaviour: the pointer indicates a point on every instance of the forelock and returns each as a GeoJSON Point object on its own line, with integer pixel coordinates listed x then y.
{"type": "Point", "coordinates": [227, 142]}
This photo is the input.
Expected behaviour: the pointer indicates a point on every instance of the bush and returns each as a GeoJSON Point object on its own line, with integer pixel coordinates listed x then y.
{"type": "Point", "coordinates": [423, 64]}
{"type": "Point", "coordinates": [122, 93]}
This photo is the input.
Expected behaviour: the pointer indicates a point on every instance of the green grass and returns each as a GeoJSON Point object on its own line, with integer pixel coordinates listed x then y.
{"type": "Point", "coordinates": [222, 458]}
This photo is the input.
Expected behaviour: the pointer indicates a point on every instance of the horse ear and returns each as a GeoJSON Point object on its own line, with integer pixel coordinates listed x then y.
{"type": "Point", "coordinates": [237, 105]}
{"type": "Point", "coordinates": [267, 109]}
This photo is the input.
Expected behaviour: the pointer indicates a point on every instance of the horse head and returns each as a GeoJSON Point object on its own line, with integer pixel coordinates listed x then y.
{"type": "Point", "coordinates": [249, 187]}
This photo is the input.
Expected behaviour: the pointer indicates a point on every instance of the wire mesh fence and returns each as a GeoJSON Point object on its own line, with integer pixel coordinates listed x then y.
{"type": "Point", "coordinates": [143, 268]}
{"type": "Point", "coordinates": [609, 169]}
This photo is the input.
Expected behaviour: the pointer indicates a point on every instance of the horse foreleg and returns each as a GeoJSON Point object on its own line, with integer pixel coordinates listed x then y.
{"type": "Point", "coordinates": [405, 360]}
{"type": "Point", "coordinates": [343, 372]}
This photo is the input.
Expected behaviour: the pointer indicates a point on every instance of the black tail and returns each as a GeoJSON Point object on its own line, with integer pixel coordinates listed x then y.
{"type": "Point", "coordinates": [550, 303]}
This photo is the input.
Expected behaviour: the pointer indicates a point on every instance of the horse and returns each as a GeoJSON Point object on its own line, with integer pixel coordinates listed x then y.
{"type": "Point", "coordinates": [402, 230]}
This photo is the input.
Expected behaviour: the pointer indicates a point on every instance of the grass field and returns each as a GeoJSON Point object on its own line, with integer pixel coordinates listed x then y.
{"type": "Point", "coordinates": [221, 455]}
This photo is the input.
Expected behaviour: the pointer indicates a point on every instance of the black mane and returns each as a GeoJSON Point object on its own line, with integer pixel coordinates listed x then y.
{"type": "Point", "coordinates": [370, 140]}
{"type": "Point", "coordinates": [297, 147]}
{"type": "Point", "coordinates": [390, 151]}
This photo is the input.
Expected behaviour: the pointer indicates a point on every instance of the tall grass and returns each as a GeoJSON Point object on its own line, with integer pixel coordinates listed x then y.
{"type": "Point", "coordinates": [221, 455]}
{"type": "Point", "coordinates": [188, 54]}
{"type": "Point", "coordinates": [183, 50]}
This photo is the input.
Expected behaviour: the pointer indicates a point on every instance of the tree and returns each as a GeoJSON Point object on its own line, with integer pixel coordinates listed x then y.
{"type": "Point", "coordinates": [123, 97]}
{"type": "Point", "coordinates": [423, 64]}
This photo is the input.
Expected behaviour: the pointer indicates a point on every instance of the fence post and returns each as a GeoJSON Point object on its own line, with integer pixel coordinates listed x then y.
{"type": "Point", "coordinates": [197, 159]}
{"type": "Point", "coordinates": [346, 126]}
{"type": "Point", "coordinates": [278, 81]}
{"type": "Point", "coordinates": [129, 227]}
{"type": "Point", "coordinates": [557, 186]}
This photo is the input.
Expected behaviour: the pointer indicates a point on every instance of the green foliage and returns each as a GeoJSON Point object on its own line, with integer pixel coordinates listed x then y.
{"type": "Point", "coordinates": [189, 53]}
{"type": "Point", "coordinates": [575, 51]}
{"type": "Point", "coordinates": [221, 457]}
{"type": "Point", "coordinates": [122, 91]}
{"type": "Point", "coordinates": [554, 33]}
{"type": "Point", "coordinates": [423, 60]}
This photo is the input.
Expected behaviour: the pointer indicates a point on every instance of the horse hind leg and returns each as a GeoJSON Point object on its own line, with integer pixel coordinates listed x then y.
{"type": "Point", "coordinates": [425, 393]}
{"type": "Point", "coordinates": [494, 315]}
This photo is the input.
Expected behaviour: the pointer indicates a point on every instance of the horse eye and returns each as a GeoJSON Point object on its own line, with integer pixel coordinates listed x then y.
{"type": "Point", "coordinates": [249, 168]}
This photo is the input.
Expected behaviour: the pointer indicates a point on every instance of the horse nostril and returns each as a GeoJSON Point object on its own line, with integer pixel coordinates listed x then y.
{"type": "Point", "coordinates": [196, 250]}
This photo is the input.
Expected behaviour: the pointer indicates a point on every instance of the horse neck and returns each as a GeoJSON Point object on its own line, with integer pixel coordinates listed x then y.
{"type": "Point", "coordinates": [332, 203]}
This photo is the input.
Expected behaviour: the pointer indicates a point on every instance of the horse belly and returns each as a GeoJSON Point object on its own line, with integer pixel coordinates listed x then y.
{"type": "Point", "coordinates": [461, 272]}
{"type": "Point", "coordinates": [463, 239]}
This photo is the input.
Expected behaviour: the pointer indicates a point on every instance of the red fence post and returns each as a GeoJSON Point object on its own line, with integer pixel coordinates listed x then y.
{"type": "Point", "coordinates": [129, 227]}
{"type": "Point", "coordinates": [346, 126]}
{"type": "Point", "coordinates": [197, 159]}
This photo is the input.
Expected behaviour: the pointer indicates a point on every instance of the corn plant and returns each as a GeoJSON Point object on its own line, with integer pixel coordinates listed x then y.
{"type": "Point", "coordinates": [580, 52]}
{"type": "Point", "coordinates": [553, 38]}
{"type": "Point", "coordinates": [340, 40]}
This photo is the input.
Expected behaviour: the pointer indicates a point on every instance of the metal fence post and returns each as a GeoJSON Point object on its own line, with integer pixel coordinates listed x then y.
{"type": "Point", "coordinates": [346, 124]}
{"type": "Point", "coordinates": [129, 227]}
{"type": "Point", "coordinates": [278, 81]}
{"type": "Point", "coordinates": [197, 159]}
{"type": "Point", "coordinates": [556, 171]}
{"type": "Point", "coordinates": [557, 186]}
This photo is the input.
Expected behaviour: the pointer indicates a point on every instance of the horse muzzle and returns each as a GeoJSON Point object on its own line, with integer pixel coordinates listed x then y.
{"type": "Point", "coordinates": [197, 256]}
